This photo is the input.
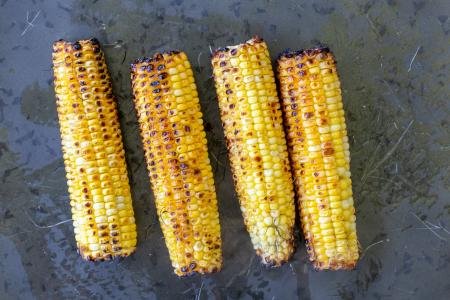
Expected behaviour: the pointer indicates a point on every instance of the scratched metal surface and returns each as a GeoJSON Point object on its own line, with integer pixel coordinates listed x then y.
{"type": "Point", "coordinates": [394, 64]}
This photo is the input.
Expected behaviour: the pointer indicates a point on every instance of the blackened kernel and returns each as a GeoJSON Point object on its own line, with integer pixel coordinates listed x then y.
{"type": "Point", "coordinates": [94, 41]}
{"type": "Point", "coordinates": [229, 91]}
{"type": "Point", "coordinates": [162, 76]}
{"type": "Point", "coordinates": [233, 51]}
{"type": "Point", "coordinates": [223, 64]}
{"type": "Point", "coordinates": [308, 115]}
{"type": "Point", "coordinates": [156, 91]}
{"type": "Point", "coordinates": [161, 67]}
{"type": "Point", "coordinates": [76, 46]}
{"type": "Point", "coordinates": [154, 83]}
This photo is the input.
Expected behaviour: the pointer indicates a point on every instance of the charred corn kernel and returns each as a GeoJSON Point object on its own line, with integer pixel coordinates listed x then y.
{"type": "Point", "coordinates": [90, 128]}
{"type": "Point", "coordinates": [174, 140]}
{"type": "Point", "coordinates": [317, 137]}
{"type": "Point", "coordinates": [252, 121]}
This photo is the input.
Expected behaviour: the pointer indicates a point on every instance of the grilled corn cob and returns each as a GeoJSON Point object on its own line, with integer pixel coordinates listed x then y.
{"type": "Point", "coordinates": [252, 121]}
{"type": "Point", "coordinates": [174, 141]}
{"type": "Point", "coordinates": [93, 152]}
{"type": "Point", "coordinates": [319, 149]}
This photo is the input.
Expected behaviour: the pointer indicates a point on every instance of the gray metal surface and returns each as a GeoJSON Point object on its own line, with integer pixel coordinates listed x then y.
{"type": "Point", "coordinates": [393, 58]}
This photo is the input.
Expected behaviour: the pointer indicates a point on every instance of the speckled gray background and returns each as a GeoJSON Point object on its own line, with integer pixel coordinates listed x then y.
{"type": "Point", "coordinates": [394, 64]}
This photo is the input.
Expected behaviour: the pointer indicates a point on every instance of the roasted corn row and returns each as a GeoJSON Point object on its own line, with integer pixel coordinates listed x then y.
{"type": "Point", "coordinates": [93, 152]}
{"type": "Point", "coordinates": [174, 141]}
{"type": "Point", "coordinates": [319, 149]}
{"type": "Point", "coordinates": [252, 121]}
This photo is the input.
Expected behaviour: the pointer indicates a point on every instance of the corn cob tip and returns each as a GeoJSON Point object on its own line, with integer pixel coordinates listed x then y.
{"type": "Point", "coordinates": [87, 255]}
{"type": "Point", "coordinates": [93, 41]}
{"type": "Point", "coordinates": [288, 53]}
{"type": "Point", "coordinates": [254, 40]}
{"type": "Point", "coordinates": [155, 58]}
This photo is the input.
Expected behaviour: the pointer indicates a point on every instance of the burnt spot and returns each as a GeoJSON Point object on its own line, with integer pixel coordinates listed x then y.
{"type": "Point", "coordinates": [233, 51]}
{"type": "Point", "coordinates": [94, 41]}
{"type": "Point", "coordinates": [76, 46]}
{"type": "Point", "coordinates": [328, 151]}
{"type": "Point", "coordinates": [258, 158]}
{"type": "Point", "coordinates": [162, 76]}
{"type": "Point", "coordinates": [308, 115]}
{"type": "Point", "coordinates": [156, 91]}
{"type": "Point", "coordinates": [196, 171]}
